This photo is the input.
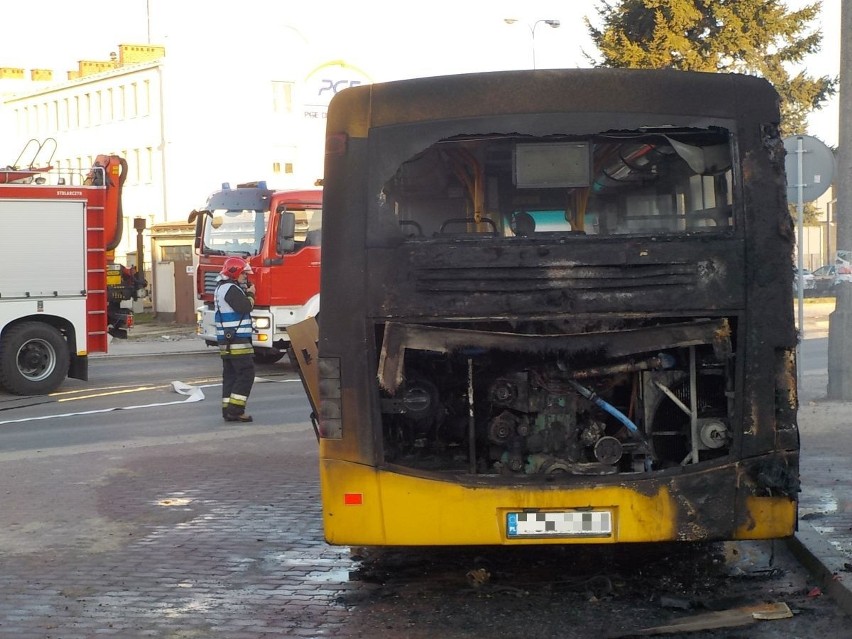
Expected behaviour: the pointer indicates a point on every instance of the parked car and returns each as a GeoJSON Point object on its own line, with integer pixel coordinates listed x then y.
{"type": "Point", "coordinates": [844, 272]}
{"type": "Point", "coordinates": [808, 281]}
{"type": "Point", "coordinates": [825, 279]}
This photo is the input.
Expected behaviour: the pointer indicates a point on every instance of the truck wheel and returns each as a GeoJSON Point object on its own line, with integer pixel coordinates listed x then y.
{"type": "Point", "coordinates": [267, 355]}
{"type": "Point", "coordinates": [33, 359]}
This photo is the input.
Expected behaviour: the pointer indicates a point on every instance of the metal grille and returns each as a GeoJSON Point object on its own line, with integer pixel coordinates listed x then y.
{"type": "Point", "coordinates": [210, 278]}
{"type": "Point", "coordinates": [556, 277]}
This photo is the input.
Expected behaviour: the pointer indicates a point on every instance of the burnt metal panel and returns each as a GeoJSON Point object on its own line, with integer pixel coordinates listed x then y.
{"type": "Point", "coordinates": [521, 279]}
{"type": "Point", "coordinates": [612, 344]}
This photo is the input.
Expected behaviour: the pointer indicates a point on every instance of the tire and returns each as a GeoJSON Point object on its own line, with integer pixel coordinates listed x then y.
{"type": "Point", "coordinates": [34, 359]}
{"type": "Point", "coordinates": [267, 355]}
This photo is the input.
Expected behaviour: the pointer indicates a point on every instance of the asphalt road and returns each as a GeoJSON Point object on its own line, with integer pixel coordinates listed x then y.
{"type": "Point", "coordinates": [135, 401]}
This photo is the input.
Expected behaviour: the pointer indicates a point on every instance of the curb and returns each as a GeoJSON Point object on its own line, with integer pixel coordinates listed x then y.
{"type": "Point", "coordinates": [148, 331]}
{"type": "Point", "coordinates": [153, 340]}
{"type": "Point", "coordinates": [825, 562]}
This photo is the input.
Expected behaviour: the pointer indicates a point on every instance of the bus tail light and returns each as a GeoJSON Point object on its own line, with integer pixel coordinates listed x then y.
{"type": "Point", "coordinates": [330, 409]}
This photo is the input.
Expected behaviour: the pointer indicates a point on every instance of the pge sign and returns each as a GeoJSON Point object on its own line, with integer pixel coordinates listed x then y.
{"type": "Point", "coordinates": [331, 86]}
{"type": "Point", "coordinates": [325, 82]}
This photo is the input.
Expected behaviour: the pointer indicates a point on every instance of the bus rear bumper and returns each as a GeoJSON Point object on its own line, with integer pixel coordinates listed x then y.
{"type": "Point", "coordinates": [364, 506]}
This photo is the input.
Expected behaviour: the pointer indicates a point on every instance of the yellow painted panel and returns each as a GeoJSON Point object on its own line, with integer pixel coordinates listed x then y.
{"type": "Point", "coordinates": [770, 518]}
{"type": "Point", "coordinates": [402, 510]}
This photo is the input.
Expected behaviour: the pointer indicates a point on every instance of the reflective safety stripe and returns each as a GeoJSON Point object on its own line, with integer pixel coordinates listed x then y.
{"type": "Point", "coordinates": [226, 350]}
{"type": "Point", "coordinates": [238, 400]}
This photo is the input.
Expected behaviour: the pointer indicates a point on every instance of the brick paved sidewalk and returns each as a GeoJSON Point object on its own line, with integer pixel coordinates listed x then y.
{"type": "Point", "coordinates": [169, 541]}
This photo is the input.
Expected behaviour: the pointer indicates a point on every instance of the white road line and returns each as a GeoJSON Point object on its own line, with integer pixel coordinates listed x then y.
{"type": "Point", "coordinates": [193, 394]}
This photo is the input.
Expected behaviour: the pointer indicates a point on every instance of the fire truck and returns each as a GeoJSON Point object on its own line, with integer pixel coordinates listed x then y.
{"type": "Point", "coordinates": [55, 304]}
{"type": "Point", "coordinates": [279, 234]}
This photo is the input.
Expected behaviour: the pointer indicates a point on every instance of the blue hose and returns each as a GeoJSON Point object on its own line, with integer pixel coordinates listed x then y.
{"type": "Point", "coordinates": [609, 408]}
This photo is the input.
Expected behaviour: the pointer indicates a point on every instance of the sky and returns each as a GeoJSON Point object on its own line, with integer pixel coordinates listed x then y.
{"type": "Point", "coordinates": [387, 39]}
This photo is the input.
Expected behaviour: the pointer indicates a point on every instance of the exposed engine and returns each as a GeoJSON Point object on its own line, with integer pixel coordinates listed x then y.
{"type": "Point", "coordinates": [549, 414]}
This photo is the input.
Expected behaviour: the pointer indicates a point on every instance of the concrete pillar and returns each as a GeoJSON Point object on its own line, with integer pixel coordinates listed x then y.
{"type": "Point", "coordinates": [839, 335]}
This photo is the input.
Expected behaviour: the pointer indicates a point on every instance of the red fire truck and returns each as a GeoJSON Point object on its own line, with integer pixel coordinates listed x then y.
{"type": "Point", "coordinates": [278, 233]}
{"type": "Point", "coordinates": [55, 304]}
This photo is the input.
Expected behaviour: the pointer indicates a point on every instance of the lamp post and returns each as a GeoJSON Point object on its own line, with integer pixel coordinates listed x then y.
{"type": "Point", "coordinates": [553, 24]}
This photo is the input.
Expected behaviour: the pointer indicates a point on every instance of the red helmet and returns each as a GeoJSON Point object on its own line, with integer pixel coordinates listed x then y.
{"type": "Point", "coordinates": [234, 267]}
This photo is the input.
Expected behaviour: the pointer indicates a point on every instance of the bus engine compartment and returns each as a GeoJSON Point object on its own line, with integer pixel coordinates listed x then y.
{"type": "Point", "coordinates": [648, 396]}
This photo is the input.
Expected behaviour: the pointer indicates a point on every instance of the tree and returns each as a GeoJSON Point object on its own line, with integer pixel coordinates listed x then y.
{"type": "Point", "coordinates": [810, 213]}
{"type": "Point", "coordinates": [757, 37]}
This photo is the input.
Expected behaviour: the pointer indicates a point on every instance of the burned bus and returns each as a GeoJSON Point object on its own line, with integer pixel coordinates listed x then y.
{"type": "Point", "coordinates": [556, 309]}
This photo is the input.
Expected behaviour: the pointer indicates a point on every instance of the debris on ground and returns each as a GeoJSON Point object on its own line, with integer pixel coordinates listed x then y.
{"type": "Point", "coordinates": [733, 618]}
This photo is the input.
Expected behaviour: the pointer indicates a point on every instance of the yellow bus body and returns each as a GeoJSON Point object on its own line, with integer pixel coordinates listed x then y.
{"type": "Point", "coordinates": [366, 506]}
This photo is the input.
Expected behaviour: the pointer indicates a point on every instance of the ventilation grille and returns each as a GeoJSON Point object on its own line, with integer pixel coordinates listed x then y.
{"type": "Point", "coordinates": [479, 279]}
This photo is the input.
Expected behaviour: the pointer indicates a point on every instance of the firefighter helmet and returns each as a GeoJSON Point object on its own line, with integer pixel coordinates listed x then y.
{"type": "Point", "coordinates": [234, 267]}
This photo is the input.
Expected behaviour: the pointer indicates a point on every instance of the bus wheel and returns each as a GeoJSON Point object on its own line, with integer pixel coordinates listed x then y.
{"type": "Point", "coordinates": [267, 355]}
{"type": "Point", "coordinates": [33, 359]}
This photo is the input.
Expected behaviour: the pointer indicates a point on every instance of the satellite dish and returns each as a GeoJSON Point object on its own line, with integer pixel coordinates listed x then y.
{"type": "Point", "coordinates": [817, 170]}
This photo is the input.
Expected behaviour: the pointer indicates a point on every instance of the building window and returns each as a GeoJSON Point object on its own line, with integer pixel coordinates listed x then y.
{"type": "Point", "coordinates": [145, 99]}
{"type": "Point", "coordinates": [95, 109]}
{"type": "Point", "coordinates": [121, 106]}
{"type": "Point", "coordinates": [137, 166]}
{"type": "Point", "coordinates": [287, 166]}
{"type": "Point", "coordinates": [86, 111]}
{"type": "Point", "coordinates": [133, 103]}
{"type": "Point", "coordinates": [109, 106]}
{"type": "Point", "coordinates": [178, 253]}
{"type": "Point", "coordinates": [282, 97]}
{"type": "Point", "coordinates": [66, 114]}
{"type": "Point", "coordinates": [98, 109]}
{"type": "Point", "coordinates": [148, 164]}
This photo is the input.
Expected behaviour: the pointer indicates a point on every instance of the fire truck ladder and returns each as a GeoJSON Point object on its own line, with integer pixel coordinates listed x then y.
{"type": "Point", "coordinates": [97, 337]}
{"type": "Point", "coordinates": [25, 173]}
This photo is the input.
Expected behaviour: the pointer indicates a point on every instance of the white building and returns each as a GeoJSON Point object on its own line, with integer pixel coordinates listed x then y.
{"type": "Point", "coordinates": [183, 127]}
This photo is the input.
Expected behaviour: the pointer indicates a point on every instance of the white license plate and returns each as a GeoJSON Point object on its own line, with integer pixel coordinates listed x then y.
{"type": "Point", "coordinates": [566, 523]}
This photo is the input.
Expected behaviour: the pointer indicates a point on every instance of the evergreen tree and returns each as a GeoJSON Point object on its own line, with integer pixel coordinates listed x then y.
{"type": "Point", "coordinates": [757, 37]}
{"type": "Point", "coordinates": [810, 213]}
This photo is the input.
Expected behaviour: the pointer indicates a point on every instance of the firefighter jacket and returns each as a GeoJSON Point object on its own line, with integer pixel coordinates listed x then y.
{"type": "Point", "coordinates": [233, 319]}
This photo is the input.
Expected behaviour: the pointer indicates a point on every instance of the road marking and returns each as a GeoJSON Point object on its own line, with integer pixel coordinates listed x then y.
{"type": "Point", "coordinates": [192, 393]}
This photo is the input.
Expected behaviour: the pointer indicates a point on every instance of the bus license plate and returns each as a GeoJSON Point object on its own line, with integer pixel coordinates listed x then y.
{"type": "Point", "coordinates": [568, 523]}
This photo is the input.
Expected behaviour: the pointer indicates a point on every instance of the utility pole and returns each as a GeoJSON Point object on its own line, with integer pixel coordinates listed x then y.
{"type": "Point", "coordinates": [840, 321]}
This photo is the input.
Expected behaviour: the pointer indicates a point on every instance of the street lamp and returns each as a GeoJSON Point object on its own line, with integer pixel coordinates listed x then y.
{"type": "Point", "coordinates": [553, 24]}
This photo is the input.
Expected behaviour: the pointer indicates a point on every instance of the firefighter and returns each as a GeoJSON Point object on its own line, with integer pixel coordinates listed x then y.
{"type": "Point", "coordinates": [234, 300]}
